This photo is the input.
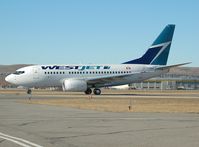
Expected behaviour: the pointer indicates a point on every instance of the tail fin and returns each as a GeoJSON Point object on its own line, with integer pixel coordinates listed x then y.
{"type": "Point", "coordinates": [158, 52]}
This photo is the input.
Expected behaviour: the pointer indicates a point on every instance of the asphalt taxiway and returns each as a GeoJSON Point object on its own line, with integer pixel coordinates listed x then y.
{"type": "Point", "coordinates": [23, 124]}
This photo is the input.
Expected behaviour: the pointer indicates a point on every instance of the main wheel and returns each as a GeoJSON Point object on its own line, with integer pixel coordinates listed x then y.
{"type": "Point", "coordinates": [88, 91]}
{"type": "Point", "coordinates": [97, 91]}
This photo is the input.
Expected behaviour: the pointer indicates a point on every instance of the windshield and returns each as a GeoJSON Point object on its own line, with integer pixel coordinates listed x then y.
{"type": "Point", "coordinates": [19, 72]}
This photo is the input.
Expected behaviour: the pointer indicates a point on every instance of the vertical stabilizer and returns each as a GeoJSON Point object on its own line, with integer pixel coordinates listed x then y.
{"type": "Point", "coordinates": [157, 53]}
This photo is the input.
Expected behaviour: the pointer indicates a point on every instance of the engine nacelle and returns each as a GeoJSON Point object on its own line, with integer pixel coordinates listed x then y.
{"type": "Point", "coordinates": [74, 85]}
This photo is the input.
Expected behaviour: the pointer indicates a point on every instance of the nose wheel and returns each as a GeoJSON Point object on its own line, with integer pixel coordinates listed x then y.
{"type": "Point", "coordinates": [29, 92]}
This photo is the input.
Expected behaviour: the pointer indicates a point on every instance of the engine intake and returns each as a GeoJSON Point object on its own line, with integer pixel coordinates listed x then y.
{"type": "Point", "coordinates": [74, 85]}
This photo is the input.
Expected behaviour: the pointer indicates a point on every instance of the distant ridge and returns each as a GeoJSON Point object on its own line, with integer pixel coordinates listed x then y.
{"type": "Point", "coordinates": [11, 68]}
{"type": "Point", "coordinates": [192, 71]}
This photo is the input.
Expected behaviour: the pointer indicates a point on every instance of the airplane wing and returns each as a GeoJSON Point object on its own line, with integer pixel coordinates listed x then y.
{"type": "Point", "coordinates": [109, 78]}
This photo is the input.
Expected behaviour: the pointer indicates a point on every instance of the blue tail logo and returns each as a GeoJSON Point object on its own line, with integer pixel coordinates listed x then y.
{"type": "Point", "coordinates": [158, 52]}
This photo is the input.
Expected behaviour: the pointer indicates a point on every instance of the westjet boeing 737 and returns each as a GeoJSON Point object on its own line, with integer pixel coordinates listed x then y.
{"type": "Point", "coordinates": [90, 77]}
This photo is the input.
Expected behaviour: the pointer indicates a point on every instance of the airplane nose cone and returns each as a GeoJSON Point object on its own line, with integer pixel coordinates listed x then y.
{"type": "Point", "coordinates": [9, 79]}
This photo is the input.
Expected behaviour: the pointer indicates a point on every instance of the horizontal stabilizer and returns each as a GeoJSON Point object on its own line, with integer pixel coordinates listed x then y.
{"type": "Point", "coordinates": [172, 66]}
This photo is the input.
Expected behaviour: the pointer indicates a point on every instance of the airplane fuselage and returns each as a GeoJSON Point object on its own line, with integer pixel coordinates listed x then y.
{"type": "Point", "coordinates": [54, 75]}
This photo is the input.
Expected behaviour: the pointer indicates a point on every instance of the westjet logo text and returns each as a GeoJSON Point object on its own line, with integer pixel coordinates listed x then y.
{"type": "Point", "coordinates": [74, 67]}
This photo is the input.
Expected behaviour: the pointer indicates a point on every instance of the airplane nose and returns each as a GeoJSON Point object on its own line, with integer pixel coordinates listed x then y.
{"type": "Point", "coordinates": [9, 79]}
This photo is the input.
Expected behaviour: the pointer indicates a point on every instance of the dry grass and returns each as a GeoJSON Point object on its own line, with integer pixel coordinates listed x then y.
{"type": "Point", "coordinates": [122, 104]}
{"type": "Point", "coordinates": [120, 100]}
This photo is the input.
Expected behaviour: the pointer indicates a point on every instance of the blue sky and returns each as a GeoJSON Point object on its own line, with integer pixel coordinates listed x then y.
{"type": "Point", "coordinates": [89, 31]}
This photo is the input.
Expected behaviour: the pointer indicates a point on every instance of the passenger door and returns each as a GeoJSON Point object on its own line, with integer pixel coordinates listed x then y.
{"type": "Point", "coordinates": [35, 73]}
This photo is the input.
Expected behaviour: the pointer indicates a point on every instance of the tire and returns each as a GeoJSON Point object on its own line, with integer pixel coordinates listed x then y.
{"type": "Point", "coordinates": [97, 91]}
{"type": "Point", "coordinates": [29, 91]}
{"type": "Point", "coordinates": [88, 91]}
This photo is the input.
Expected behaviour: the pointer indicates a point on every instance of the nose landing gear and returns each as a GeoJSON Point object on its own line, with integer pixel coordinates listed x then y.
{"type": "Point", "coordinates": [29, 92]}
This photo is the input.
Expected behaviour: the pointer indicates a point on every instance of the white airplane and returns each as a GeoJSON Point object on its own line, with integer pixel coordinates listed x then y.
{"type": "Point", "coordinates": [86, 77]}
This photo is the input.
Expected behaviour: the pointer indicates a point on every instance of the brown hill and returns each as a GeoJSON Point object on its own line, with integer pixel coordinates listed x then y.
{"type": "Point", "coordinates": [191, 71]}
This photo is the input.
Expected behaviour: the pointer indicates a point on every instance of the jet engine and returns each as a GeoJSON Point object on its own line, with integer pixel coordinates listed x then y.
{"type": "Point", "coordinates": [74, 85]}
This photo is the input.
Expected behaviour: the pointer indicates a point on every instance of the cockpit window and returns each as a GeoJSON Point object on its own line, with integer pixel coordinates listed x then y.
{"type": "Point", "coordinates": [19, 72]}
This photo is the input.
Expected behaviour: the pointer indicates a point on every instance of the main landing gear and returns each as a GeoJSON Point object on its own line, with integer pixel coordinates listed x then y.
{"type": "Point", "coordinates": [96, 91]}
{"type": "Point", "coordinates": [88, 91]}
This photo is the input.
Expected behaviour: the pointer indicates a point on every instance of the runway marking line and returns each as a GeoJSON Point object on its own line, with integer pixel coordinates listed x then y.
{"type": "Point", "coordinates": [19, 141]}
